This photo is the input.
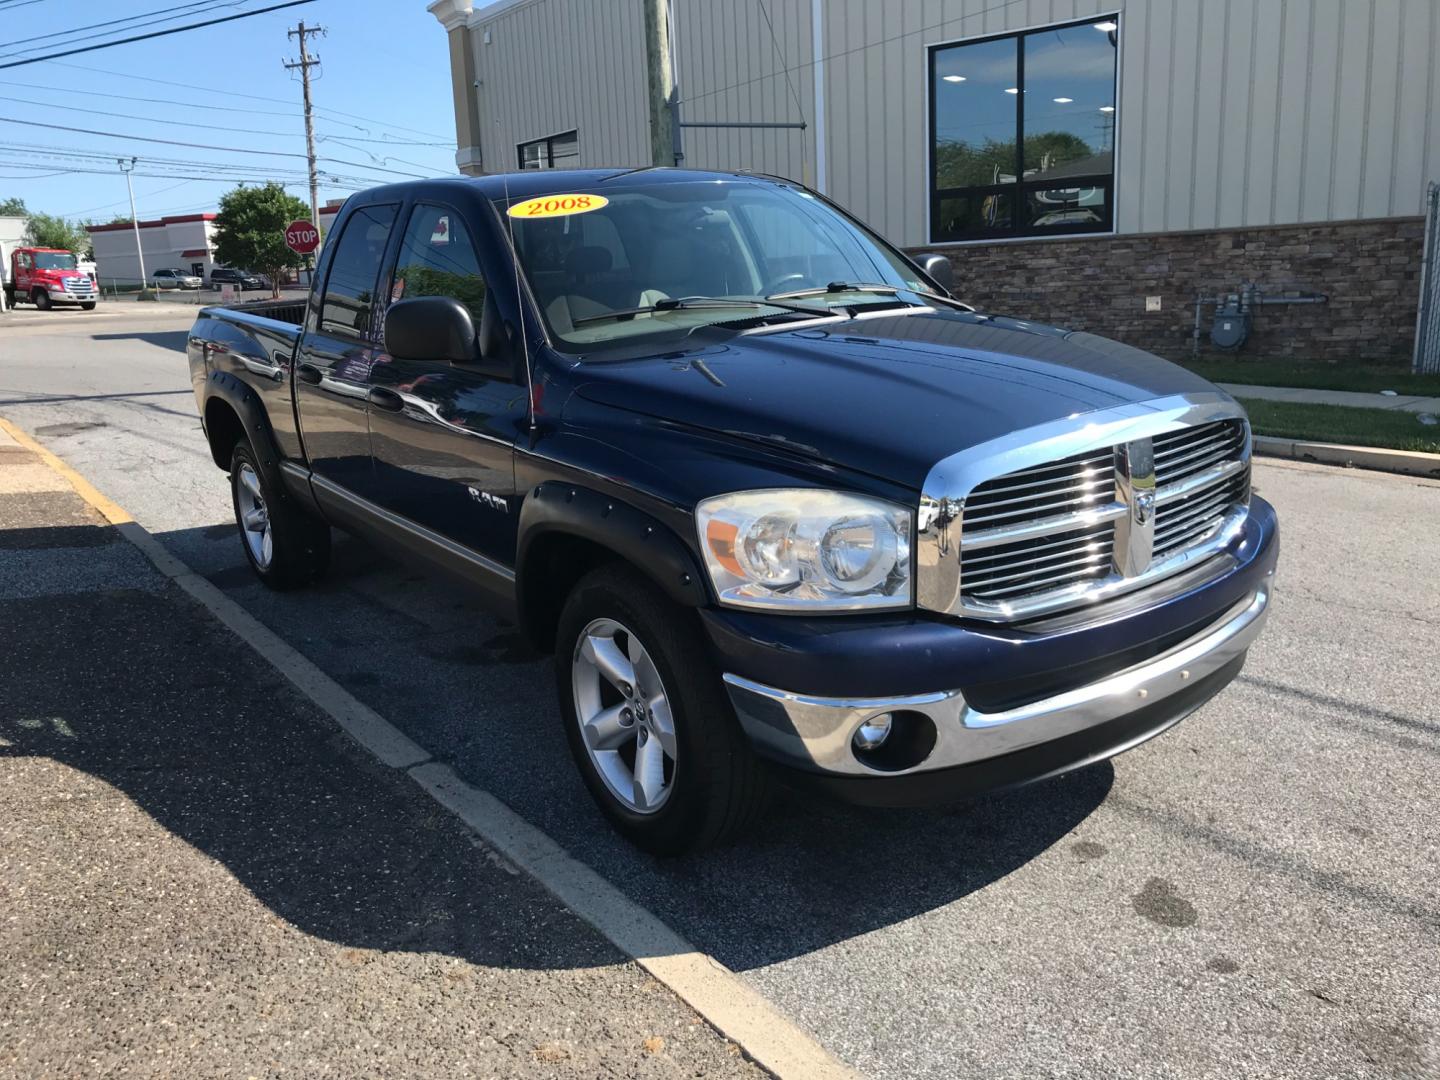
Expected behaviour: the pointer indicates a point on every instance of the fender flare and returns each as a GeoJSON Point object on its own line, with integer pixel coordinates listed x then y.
{"type": "Point", "coordinates": [246, 404]}
{"type": "Point", "coordinates": [641, 540]}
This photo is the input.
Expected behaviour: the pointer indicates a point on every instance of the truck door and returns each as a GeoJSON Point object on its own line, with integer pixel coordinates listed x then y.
{"type": "Point", "coordinates": [443, 435]}
{"type": "Point", "coordinates": [338, 349]}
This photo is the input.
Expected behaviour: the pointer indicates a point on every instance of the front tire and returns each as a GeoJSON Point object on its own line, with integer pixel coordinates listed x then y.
{"type": "Point", "coordinates": [41, 298]}
{"type": "Point", "coordinates": [285, 546]}
{"type": "Point", "coordinates": [647, 719]}
{"type": "Point", "coordinates": [87, 305]}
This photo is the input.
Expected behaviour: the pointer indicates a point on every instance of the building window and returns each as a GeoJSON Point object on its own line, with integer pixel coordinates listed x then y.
{"type": "Point", "coordinates": [1022, 133]}
{"type": "Point", "coordinates": [556, 152]}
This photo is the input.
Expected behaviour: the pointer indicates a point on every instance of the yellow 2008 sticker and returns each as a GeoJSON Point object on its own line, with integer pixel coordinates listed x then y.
{"type": "Point", "coordinates": [557, 206]}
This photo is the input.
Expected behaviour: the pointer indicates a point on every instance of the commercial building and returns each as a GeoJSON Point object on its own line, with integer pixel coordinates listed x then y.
{"type": "Point", "coordinates": [185, 241]}
{"type": "Point", "coordinates": [1095, 164]}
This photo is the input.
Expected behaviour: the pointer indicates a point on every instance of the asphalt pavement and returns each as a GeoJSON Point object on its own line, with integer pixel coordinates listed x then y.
{"type": "Point", "coordinates": [200, 876]}
{"type": "Point", "coordinates": [1257, 893]}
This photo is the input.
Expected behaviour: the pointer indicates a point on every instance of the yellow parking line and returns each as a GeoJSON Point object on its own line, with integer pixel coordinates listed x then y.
{"type": "Point", "coordinates": [107, 508]}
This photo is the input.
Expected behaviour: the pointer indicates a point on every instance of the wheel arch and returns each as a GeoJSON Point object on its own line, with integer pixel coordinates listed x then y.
{"type": "Point", "coordinates": [566, 531]}
{"type": "Point", "coordinates": [232, 410]}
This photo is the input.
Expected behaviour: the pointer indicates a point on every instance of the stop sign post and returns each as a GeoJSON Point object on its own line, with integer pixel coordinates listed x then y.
{"type": "Point", "coordinates": [302, 237]}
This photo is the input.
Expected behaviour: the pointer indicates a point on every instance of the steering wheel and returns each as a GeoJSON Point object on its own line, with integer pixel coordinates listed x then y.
{"type": "Point", "coordinates": [778, 285]}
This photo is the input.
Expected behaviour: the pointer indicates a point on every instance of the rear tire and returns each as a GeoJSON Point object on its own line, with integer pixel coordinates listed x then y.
{"type": "Point", "coordinates": [710, 787]}
{"type": "Point", "coordinates": [285, 546]}
{"type": "Point", "coordinates": [41, 299]}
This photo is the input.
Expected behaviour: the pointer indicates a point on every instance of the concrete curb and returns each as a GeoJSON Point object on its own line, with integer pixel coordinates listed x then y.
{"type": "Point", "coordinates": [726, 1002]}
{"type": "Point", "coordinates": [1406, 462]}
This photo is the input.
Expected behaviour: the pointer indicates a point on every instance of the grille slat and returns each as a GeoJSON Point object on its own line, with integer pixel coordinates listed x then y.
{"type": "Point", "coordinates": [1035, 531]}
{"type": "Point", "coordinates": [1089, 559]}
{"type": "Point", "coordinates": [1040, 585]}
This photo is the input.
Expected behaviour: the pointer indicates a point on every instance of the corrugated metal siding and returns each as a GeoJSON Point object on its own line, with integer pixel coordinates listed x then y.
{"type": "Point", "coordinates": [1231, 112]}
{"type": "Point", "coordinates": [730, 68]}
{"type": "Point", "coordinates": [557, 65]}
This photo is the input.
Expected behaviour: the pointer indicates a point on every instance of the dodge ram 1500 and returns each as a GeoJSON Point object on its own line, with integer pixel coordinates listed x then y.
{"type": "Point", "coordinates": [778, 503]}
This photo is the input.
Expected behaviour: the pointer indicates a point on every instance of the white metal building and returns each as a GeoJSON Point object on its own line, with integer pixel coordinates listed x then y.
{"type": "Point", "coordinates": [970, 124]}
{"type": "Point", "coordinates": [186, 242]}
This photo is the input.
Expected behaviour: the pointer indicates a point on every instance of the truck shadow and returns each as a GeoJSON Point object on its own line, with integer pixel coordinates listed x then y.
{"type": "Point", "coordinates": [218, 749]}
{"type": "Point", "coordinates": [173, 340]}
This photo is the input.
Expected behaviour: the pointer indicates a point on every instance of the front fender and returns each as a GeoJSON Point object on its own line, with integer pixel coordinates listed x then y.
{"type": "Point", "coordinates": [556, 507]}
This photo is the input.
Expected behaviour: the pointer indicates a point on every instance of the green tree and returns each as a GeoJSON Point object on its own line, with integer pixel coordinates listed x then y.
{"type": "Point", "coordinates": [46, 230]}
{"type": "Point", "coordinates": [250, 230]}
{"type": "Point", "coordinates": [13, 207]}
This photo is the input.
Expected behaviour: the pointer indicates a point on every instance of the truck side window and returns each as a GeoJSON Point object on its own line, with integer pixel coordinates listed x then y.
{"type": "Point", "coordinates": [437, 258]}
{"type": "Point", "coordinates": [355, 272]}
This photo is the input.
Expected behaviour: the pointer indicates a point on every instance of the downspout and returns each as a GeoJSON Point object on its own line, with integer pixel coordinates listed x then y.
{"type": "Point", "coordinates": [817, 46]}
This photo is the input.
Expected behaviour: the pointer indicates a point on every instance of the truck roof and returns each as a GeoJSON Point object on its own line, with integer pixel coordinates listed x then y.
{"type": "Point", "coordinates": [535, 182]}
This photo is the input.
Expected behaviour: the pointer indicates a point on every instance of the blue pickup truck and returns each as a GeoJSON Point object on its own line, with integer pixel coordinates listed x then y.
{"type": "Point", "coordinates": [778, 503]}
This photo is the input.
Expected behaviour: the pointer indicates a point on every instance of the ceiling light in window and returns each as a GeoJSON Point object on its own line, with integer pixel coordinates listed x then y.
{"type": "Point", "coordinates": [1063, 100]}
{"type": "Point", "coordinates": [1107, 108]}
{"type": "Point", "coordinates": [954, 78]}
{"type": "Point", "coordinates": [1107, 26]}
{"type": "Point", "coordinates": [1012, 90]}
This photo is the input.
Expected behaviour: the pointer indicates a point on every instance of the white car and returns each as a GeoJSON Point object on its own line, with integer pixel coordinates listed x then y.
{"type": "Point", "coordinates": [173, 277]}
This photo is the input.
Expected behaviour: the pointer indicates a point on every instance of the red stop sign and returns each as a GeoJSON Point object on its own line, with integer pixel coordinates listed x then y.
{"type": "Point", "coordinates": [301, 237]}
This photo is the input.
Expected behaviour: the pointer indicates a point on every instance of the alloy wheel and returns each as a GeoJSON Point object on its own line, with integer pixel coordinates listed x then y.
{"type": "Point", "coordinates": [624, 715]}
{"type": "Point", "coordinates": [254, 517]}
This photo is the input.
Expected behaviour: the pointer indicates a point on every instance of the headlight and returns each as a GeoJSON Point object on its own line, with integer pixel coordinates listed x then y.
{"type": "Point", "coordinates": [802, 549]}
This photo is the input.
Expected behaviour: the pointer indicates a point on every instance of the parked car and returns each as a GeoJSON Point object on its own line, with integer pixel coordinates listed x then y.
{"type": "Point", "coordinates": [172, 277]}
{"type": "Point", "coordinates": [775, 500]}
{"type": "Point", "coordinates": [242, 279]}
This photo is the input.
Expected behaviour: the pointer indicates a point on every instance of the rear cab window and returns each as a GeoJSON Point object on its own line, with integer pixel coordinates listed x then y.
{"type": "Point", "coordinates": [349, 305]}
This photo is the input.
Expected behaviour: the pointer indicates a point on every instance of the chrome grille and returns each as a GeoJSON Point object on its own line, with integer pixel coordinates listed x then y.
{"type": "Point", "coordinates": [1013, 507]}
{"type": "Point", "coordinates": [1043, 537]}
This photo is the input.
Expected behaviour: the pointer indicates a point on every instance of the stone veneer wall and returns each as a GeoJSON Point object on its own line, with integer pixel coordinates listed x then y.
{"type": "Point", "coordinates": [1370, 270]}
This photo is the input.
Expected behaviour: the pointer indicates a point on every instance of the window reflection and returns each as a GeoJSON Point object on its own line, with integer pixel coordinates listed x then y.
{"type": "Point", "coordinates": [1024, 133]}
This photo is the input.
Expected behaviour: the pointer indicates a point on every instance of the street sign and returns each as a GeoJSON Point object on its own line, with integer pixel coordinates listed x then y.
{"type": "Point", "coordinates": [301, 237]}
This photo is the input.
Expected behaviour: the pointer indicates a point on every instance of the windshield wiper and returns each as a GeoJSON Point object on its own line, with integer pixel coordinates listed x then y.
{"type": "Point", "coordinates": [838, 287]}
{"type": "Point", "coordinates": [694, 302]}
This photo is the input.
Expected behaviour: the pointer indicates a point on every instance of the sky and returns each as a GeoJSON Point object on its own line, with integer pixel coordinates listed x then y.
{"type": "Point", "coordinates": [382, 102]}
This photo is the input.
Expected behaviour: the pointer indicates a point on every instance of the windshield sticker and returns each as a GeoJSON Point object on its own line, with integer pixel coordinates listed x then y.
{"type": "Point", "coordinates": [557, 206]}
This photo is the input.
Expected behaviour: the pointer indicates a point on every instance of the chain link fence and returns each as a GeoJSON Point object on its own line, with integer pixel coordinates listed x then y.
{"type": "Point", "coordinates": [1427, 324]}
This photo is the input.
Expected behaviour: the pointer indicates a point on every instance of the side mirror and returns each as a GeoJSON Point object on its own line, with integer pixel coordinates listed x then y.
{"type": "Point", "coordinates": [434, 328]}
{"type": "Point", "coordinates": [940, 270]}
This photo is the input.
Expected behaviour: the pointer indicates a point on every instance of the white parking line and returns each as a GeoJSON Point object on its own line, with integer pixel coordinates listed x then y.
{"type": "Point", "coordinates": [725, 1001]}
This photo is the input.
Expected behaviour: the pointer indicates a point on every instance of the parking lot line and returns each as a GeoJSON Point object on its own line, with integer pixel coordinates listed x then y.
{"type": "Point", "coordinates": [727, 1003]}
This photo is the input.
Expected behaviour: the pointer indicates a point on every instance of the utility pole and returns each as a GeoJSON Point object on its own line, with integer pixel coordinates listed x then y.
{"type": "Point", "coordinates": [127, 167]}
{"type": "Point", "coordinates": [305, 63]}
{"type": "Point", "coordinates": [664, 150]}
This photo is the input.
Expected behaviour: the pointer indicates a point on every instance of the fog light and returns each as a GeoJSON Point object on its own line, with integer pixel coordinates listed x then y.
{"type": "Point", "coordinates": [872, 732]}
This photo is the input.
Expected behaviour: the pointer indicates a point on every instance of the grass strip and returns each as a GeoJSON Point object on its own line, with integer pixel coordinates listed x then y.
{"type": "Point", "coordinates": [1314, 375]}
{"type": "Point", "coordinates": [1342, 424]}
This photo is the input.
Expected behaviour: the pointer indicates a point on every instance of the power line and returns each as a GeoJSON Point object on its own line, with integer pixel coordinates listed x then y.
{"type": "Point", "coordinates": [151, 138]}
{"type": "Point", "coordinates": [147, 119]}
{"type": "Point", "coordinates": [154, 34]}
{"type": "Point", "coordinates": [171, 103]}
{"type": "Point", "coordinates": [178, 11]}
{"type": "Point", "coordinates": [252, 97]}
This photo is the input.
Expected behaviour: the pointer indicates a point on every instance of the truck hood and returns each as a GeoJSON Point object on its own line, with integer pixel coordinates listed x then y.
{"type": "Point", "coordinates": [889, 395]}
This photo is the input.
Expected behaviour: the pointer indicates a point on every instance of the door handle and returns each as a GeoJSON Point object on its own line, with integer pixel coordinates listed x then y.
{"type": "Point", "coordinates": [309, 373]}
{"type": "Point", "coordinates": [385, 399]}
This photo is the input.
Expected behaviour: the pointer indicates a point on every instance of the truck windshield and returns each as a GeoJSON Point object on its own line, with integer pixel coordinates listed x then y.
{"type": "Point", "coordinates": [54, 260]}
{"type": "Point", "coordinates": [616, 261]}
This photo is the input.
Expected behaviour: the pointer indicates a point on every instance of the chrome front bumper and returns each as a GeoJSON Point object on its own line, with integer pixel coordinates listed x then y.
{"type": "Point", "coordinates": [815, 733]}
